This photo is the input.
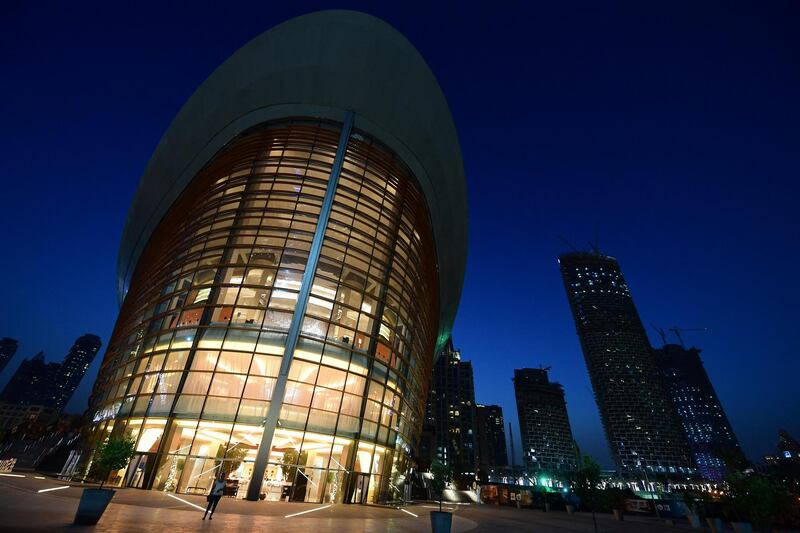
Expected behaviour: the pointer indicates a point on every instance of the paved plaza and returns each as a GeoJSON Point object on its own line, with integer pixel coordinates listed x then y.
{"type": "Point", "coordinates": [36, 503]}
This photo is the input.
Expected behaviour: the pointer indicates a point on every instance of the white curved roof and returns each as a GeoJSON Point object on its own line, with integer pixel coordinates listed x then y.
{"type": "Point", "coordinates": [319, 65]}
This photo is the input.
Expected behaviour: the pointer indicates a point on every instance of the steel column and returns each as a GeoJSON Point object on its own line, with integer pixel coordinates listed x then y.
{"type": "Point", "coordinates": [257, 477]}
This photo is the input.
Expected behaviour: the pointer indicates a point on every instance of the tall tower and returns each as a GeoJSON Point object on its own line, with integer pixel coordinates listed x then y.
{"type": "Point", "coordinates": [708, 431]}
{"type": "Point", "coordinates": [72, 370]}
{"type": "Point", "coordinates": [291, 264]}
{"type": "Point", "coordinates": [30, 382]}
{"type": "Point", "coordinates": [642, 429]}
{"type": "Point", "coordinates": [8, 347]}
{"type": "Point", "coordinates": [491, 436]}
{"type": "Point", "coordinates": [452, 408]}
{"type": "Point", "coordinates": [547, 442]}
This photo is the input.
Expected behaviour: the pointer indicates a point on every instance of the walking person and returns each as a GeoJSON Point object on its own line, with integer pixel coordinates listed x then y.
{"type": "Point", "coordinates": [215, 495]}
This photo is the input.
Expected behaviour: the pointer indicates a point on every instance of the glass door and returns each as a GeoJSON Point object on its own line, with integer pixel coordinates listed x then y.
{"type": "Point", "coordinates": [136, 471]}
{"type": "Point", "coordinates": [361, 489]}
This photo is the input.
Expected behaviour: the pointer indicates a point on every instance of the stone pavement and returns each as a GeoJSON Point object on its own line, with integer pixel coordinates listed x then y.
{"type": "Point", "coordinates": [24, 507]}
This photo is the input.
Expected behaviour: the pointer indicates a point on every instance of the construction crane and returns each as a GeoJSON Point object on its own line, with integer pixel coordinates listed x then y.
{"type": "Point", "coordinates": [677, 331]}
{"type": "Point", "coordinates": [595, 246]}
{"type": "Point", "coordinates": [661, 333]}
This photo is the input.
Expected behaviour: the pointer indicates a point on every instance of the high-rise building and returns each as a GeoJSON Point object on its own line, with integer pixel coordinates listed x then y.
{"type": "Point", "coordinates": [292, 261]}
{"type": "Point", "coordinates": [8, 347]}
{"type": "Point", "coordinates": [788, 447]}
{"type": "Point", "coordinates": [491, 436]}
{"type": "Point", "coordinates": [451, 409]}
{"type": "Point", "coordinates": [72, 370]}
{"type": "Point", "coordinates": [547, 442]}
{"type": "Point", "coordinates": [642, 429]}
{"type": "Point", "coordinates": [708, 431]}
{"type": "Point", "coordinates": [31, 382]}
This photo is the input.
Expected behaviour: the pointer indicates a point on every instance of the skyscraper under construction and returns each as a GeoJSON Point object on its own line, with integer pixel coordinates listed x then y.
{"type": "Point", "coordinates": [642, 429]}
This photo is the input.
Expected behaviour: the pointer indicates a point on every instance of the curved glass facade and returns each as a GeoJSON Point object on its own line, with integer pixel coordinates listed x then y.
{"type": "Point", "coordinates": [199, 343]}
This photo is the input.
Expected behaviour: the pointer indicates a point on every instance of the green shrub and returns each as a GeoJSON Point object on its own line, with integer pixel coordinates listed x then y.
{"type": "Point", "coordinates": [442, 474]}
{"type": "Point", "coordinates": [113, 455]}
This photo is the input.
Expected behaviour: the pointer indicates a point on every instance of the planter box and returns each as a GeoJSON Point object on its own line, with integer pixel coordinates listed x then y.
{"type": "Point", "coordinates": [715, 524]}
{"type": "Point", "coordinates": [93, 504]}
{"type": "Point", "coordinates": [441, 521]}
{"type": "Point", "coordinates": [742, 527]}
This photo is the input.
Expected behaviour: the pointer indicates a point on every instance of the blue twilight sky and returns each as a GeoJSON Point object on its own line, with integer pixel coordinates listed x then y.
{"type": "Point", "coordinates": [675, 126]}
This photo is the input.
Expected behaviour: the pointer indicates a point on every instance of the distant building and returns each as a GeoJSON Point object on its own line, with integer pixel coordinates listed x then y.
{"type": "Point", "coordinates": [8, 347]}
{"type": "Point", "coordinates": [547, 441]}
{"type": "Point", "coordinates": [451, 410]}
{"type": "Point", "coordinates": [491, 436]}
{"type": "Point", "coordinates": [427, 442]}
{"type": "Point", "coordinates": [708, 431]}
{"type": "Point", "coordinates": [37, 382]}
{"type": "Point", "coordinates": [31, 381]}
{"type": "Point", "coordinates": [642, 429]}
{"type": "Point", "coordinates": [785, 464]}
{"type": "Point", "coordinates": [13, 415]}
{"type": "Point", "coordinates": [73, 369]}
{"type": "Point", "coordinates": [788, 447]}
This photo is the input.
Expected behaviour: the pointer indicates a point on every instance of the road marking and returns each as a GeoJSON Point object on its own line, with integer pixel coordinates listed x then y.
{"type": "Point", "coordinates": [409, 512]}
{"type": "Point", "coordinates": [12, 475]}
{"type": "Point", "coordinates": [39, 477]}
{"type": "Point", "coordinates": [186, 502]}
{"type": "Point", "coordinates": [308, 511]}
{"type": "Point", "coordinates": [54, 488]}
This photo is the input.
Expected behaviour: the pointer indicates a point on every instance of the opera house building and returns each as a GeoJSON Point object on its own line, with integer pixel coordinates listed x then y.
{"type": "Point", "coordinates": [291, 262]}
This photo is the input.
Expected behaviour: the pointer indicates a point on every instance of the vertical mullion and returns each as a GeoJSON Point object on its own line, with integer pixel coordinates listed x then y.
{"type": "Point", "coordinates": [257, 477]}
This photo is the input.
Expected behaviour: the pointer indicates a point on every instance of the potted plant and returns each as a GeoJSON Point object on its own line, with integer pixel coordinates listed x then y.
{"type": "Point", "coordinates": [112, 455]}
{"type": "Point", "coordinates": [713, 513]}
{"type": "Point", "coordinates": [692, 505]}
{"type": "Point", "coordinates": [440, 520]}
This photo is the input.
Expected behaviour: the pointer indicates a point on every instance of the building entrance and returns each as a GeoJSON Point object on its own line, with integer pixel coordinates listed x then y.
{"type": "Point", "coordinates": [136, 471]}
{"type": "Point", "coordinates": [361, 489]}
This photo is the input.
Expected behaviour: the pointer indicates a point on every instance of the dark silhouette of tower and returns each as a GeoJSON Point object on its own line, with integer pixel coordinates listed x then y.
{"type": "Point", "coordinates": [30, 382]}
{"type": "Point", "coordinates": [37, 382]}
{"type": "Point", "coordinates": [491, 436]}
{"type": "Point", "coordinates": [547, 442]}
{"type": "Point", "coordinates": [451, 409]}
{"type": "Point", "coordinates": [72, 370]}
{"type": "Point", "coordinates": [709, 433]}
{"type": "Point", "coordinates": [8, 347]}
{"type": "Point", "coordinates": [641, 426]}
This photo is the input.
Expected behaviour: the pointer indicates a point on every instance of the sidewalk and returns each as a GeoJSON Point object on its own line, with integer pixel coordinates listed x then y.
{"type": "Point", "coordinates": [35, 503]}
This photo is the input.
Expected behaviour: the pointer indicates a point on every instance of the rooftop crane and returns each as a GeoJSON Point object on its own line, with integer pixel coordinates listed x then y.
{"type": "Point", "coordinates": [661, 333]}
{"type": "Point", "coordinates": [677, 331]}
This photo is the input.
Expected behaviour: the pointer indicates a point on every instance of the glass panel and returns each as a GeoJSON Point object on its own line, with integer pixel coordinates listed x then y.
{"type": "Point", "coordinates": [197, 383]}
{"type": "Point", "coordinates": [230, 385]}
{"type": "Point", "coordinates": [265, 365]}
{"type": "Point", "coordinates": [204, 360]}
{"type": "Point", "coordinates": [259, 388]}
{"type": "Point", "coordinates": [234, 362]}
